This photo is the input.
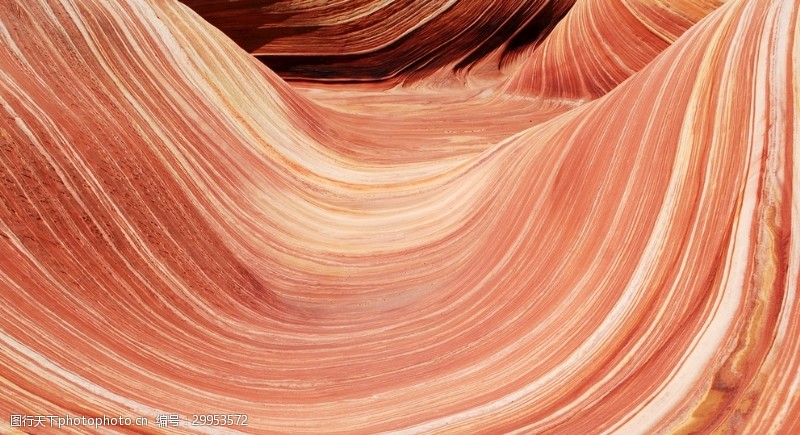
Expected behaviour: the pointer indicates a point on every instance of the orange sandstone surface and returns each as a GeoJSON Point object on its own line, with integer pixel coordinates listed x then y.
{"type": "Point", "coordinates": [419, 217]}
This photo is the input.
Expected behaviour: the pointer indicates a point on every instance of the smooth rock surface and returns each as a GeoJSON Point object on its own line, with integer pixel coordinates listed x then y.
{"type": "Point", "coordinates": [598, 235]}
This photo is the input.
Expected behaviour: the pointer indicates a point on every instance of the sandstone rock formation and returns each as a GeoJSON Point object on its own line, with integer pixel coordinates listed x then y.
{"type": "Point", "coordinates": [593, 231]}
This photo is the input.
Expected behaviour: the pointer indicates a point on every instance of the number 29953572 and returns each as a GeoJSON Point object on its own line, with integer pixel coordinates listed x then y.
{"type": "Point", "coordinates": [219, 420]}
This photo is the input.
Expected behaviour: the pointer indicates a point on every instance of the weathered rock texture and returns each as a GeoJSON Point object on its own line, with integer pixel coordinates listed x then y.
{"type": "Point", "coordinates": [596, 230]}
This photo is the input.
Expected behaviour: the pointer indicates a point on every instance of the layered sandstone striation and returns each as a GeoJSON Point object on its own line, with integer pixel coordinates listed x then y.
{"type": "Point", "coordinates": [593, 235]}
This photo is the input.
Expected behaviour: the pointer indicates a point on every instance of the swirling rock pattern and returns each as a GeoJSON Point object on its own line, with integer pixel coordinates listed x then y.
{"type": "Point", "coordinates": [609, 245]}
{"type": "Point", "coordinates": [586, 58]}
{"type": "Point", "coordinates": [368, 40]}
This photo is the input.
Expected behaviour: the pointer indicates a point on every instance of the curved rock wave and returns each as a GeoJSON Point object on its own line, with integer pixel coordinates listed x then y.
{"type": "Point", "coordinates": [369, 40]}
{"type": "Point", "coordinates": [598, 45]}
{"type": "Point", "coordinates": [182, 231]}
